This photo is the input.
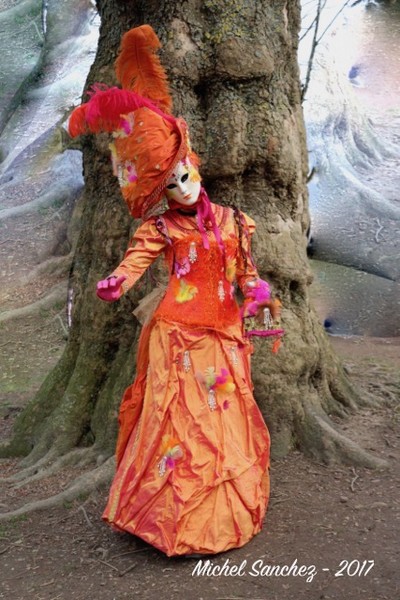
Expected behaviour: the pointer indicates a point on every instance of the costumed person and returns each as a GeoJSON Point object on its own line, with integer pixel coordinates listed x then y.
{"type": "Point", "coordinates": [193, 449]}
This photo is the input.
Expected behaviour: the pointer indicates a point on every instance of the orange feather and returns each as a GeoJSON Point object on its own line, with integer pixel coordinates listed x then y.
{"type": "Point", "coordinates": [138, 67]}
{"type": "Point", "coordinates": [77, 124]}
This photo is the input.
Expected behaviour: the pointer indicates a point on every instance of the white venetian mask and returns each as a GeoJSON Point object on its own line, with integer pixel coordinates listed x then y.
{"type": "Point", "coordinates": [184, 184]}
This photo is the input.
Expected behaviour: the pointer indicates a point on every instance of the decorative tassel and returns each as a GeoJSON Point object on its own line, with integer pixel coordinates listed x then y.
{"type": "Point", "coordinates": [212, 403]}
{"type": "Point", "coordinates": [187, 365]}
{"type": "Point", "coordinates": [221, 291]}
{"type": "Point", "coordinates": [162, 466]}
{"type": "Point", "coordinates": [234, 356]}
{"type": "Point", "coordinates": [192, 252]}
{"type": "Point", "coordinates": [268, 322]}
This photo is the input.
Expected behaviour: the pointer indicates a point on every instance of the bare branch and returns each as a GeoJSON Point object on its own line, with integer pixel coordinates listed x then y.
{"type": "Point", "coordinates": [312, 53]}
{"type": "Point", "coordinates": [317, 39]}
{"type": "Point", "coordinates": [333, 20]}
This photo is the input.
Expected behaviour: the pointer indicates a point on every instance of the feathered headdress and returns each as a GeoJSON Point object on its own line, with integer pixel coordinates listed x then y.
{"type": "Point", "coordinates": [148, 140]}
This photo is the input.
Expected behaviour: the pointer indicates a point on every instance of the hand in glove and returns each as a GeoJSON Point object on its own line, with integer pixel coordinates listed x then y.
{"type": "Point", "coordinates": [109, 289]}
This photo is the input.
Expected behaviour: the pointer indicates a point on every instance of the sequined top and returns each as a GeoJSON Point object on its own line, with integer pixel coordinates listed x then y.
{"type": "Point", "coordinates": [201, 286]}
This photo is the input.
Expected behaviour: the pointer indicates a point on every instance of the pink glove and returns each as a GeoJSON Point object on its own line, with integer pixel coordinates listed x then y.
{"type": "Point", "coordinates": [109, 289]}
{"type": "Point", "coordinates": [257, 294]}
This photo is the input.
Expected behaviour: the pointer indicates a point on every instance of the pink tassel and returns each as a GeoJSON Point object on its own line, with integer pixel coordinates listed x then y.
{"type": "Point", "coordinates": [265, 332]}
{"type": "Point", "coordinates": [204, 214]}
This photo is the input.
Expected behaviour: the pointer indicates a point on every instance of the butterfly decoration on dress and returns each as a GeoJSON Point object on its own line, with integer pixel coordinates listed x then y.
{"type": "Point", "coordinates": [171, 451]}
{"type": "Point", "coordinates": [182, 267]}
{"type": "Point", "coordinates": [214, 382]}
{"type": "Point", "coordinates": [185, 292]}
{"type": "Point", "coordinates": [221, 381]}
{"type": "Point", "coordinates": [230, 268]}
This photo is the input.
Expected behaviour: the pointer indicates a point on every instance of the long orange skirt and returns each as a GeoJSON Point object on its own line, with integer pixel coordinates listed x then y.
{"type": "Point", "coordinates": [192, 474]}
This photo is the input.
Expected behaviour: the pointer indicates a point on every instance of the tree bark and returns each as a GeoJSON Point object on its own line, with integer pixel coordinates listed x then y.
{"type": "Point", "coordinates": [233, 71]}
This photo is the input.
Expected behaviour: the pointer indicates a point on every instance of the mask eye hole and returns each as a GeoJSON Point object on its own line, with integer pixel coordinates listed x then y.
{"type": "Point", "coordinates": [184, 177]}
{"type": "Point", "coordinates": [171, 186]}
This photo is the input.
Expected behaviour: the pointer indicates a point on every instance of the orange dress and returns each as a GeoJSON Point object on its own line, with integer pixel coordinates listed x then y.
{"type": "Point", "coordinates": [193, 448]}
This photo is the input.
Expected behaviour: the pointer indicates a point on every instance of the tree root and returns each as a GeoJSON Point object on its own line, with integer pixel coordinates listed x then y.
{"type": "Point", "coordinates": [67, 190]}
{"type": "Point", "coordinates": [80, 457]}
{"type": "Point", "coordinates": [31, 470]}
{"type": "Point", "coordinates": [81, 486]}
{"type": "Point", "coordinates": [386, 396]}
{"type": "Point", "coordinates": [368, 400]}
{"type": "Point", "coordinates": [71, 458]}
{"type": "Point", "coordinates": [57, 294]}
{"type": "Point", "coordinates": [55, 265]}
{"type": "Point", "coordinates": [336, 447]}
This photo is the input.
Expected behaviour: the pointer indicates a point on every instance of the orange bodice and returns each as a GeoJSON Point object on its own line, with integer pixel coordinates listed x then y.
{"type": "Point", "coordinates": [203, 294]}
{"type": "Point", "coordinates": [200, 291]}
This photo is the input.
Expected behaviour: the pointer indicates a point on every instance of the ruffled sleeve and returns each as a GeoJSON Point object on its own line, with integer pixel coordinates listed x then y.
{"type": "Point", "coordinates": [146, 245]}
{"type": "Point", "coordinates": [246, 269]}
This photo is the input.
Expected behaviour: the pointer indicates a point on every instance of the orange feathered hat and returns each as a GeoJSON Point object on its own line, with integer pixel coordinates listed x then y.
{"type": "Point", "coordinates": [148, 140]}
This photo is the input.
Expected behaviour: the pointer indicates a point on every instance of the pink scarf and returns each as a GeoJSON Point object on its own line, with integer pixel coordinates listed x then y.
{"type": "Point", "coordinates": [204, 215]}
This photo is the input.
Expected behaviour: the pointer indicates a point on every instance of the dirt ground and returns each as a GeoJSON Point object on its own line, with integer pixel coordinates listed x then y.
{"type": "Point", "coordinates": [340, 523]}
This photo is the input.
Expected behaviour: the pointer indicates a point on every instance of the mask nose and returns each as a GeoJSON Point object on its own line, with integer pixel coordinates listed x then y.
{"type": "Point", "coordinates": [182, 187]}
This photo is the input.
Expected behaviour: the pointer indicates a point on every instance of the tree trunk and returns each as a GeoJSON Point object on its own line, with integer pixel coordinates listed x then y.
{"type": "Point", "coordinates": [233, 71]}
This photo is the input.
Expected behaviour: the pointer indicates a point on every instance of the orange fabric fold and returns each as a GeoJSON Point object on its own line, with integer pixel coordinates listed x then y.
{"type": "Point", "coordinates": [132, 401]}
